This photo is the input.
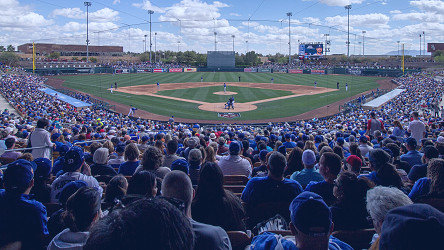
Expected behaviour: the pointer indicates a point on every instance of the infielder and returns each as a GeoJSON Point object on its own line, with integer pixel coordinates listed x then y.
{"type": "Point", "coordinates": [111, 89]}
{"type": "Point", "coordinates": [225, 87]}
{"type": "Point", "coordinates": [315, 84]}
{"type": "Point", "coordinates": [158, 85]}
{"type": "Point", "coordinates": [346, 87]}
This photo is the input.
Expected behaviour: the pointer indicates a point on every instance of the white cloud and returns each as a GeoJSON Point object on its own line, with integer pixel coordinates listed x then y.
{"type": "Point", "coordinates": [116, 2]}
{"type": "Point", "coordinates": [376, 20]}
{"type": "Point", "coordinates": [395, 12]}
{"type": "Point", "coordinates": [339, 2]}
{"type": "Point", "coordinates": [102, 15]}
{"type": "Point", "coordinates": [147, 5]}
{"type": "Point", "coordinates": [436, 6]}
{"type": "Point", "coordinates": [234, 14]}
{"type": "Point", "coordinates": [14, 16]}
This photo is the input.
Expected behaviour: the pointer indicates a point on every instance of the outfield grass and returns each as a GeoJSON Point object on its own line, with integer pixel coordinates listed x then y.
{"type": "Point", "coordinates": [98, 85]}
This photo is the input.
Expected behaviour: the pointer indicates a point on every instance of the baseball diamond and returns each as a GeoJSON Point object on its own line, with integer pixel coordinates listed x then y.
{"type": "Point", "coordinates": [188, 99]}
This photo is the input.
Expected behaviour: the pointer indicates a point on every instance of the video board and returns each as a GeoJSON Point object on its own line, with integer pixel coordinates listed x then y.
{"type": "Point", "coordinates": [311, 49]}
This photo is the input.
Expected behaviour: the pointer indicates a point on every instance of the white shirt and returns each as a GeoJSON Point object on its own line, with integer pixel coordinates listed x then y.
{"type": "Point", "coordinates": [417, 128]}
{"type": "Point", "coordinates": [235, 165]}
{"type": "Point", "coordinates": [66, 178]}
{"type": "Point", "coordinates": [40, 137]}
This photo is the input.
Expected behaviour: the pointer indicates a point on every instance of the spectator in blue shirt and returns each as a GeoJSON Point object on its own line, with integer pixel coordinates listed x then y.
{"type": "Point", "coordinates": [288, 143]}
{"type": "Point", "coordinates": [21, 218]}
{"type": "Point", "coordinates": [274, 187]}
{"type": "Point", "coordinates": [132, 160]}
{"type": "Point", "coordinates": [383, 172]}
{"type": "Point", "coordinates": [329, 167]}
{"type": "Point", "coordinates": [430, 186]}
{"type": "Point", "coordinates": [420, 170]}
{"type": "Point", "coordinates": [413, 157]}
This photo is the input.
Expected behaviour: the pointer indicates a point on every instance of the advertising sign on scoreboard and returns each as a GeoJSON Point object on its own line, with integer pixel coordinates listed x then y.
{"type": "Point", "coordinates": [295, 71]}
{"type": "Point", "coordinates": [175, 70]}
{"type": "Point", "coordinates": [311, 50]}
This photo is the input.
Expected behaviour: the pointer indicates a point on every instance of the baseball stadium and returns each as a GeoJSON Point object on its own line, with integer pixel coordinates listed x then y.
{"type": "Point", "coordinates": [231, 125]}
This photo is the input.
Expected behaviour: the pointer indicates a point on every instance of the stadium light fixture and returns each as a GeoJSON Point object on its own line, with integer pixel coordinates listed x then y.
{"type": "Point", "coordinates": [289, 14]}
{"type": "Point", "coordinates": [420, 41]}
{"type": "Point", "coordinates": [348, 7]}
{"type": "Point", "coordinates": [87, 4]}
{"type": "Point", "coordinates": [398, 47]}
{"type": "Point", "coordinates": [326, 43]}
{"type": "Point", "coordinates": [363, 35]}
{"type": "Point", "coordinates": [215, 41]}
{"type": "Point", "coordinates": [150, 12]}
{"type": "Point", "coordinates": [423, 36]}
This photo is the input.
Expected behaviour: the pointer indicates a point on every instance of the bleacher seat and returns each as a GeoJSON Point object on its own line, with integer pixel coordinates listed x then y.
{"type": "Point", "coordinates": [235, 180]}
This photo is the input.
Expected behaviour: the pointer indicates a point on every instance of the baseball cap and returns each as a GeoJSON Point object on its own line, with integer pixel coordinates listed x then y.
{"type": "Point", "coordinates": [440, 139]}
{"type": "Point", "coordinates": [63, 149]}
{"type": "Point", "coordinates": [69, 189]}
{"type": "Point", "coordinates": [263, 154]}
{"type": "Point", "coordinates": [305, 138]}
{"type": "Point", "coordinates": [74, 159]}
{"type": "Point", "coordinates": [340, 140]}
{"type": "Point", "coordinates": [55, 136]}
{"type": "Point", "coordinates": [212, 136]}
{"type": "Point", "coordinates": [308, 157]}
{"type": "Point", "coordinates": [234, 147]}
{"type": "Point", "coordinates": [194, 156]}
{"type": "Point", "coordinates": [181, 165]}
{"type": "Point", "coordinates": [18, 176]}
{"type": "Point", "coordinates": [310, 214]}
{"type": "Point", "coordinates": [282, 149]}
{"type": "Point", "coordinates": [192, 141]}
{"type": "Point", "coordinates": [43, 167]}
{"type": "Point", "coordinates": [145, 138]}
{"type": "Point", "coordinates": [411, 142]}
{"type": "Point", "coordinates": [354, 161]}
{"type": "Point", "coordinates": [120, 148]}
{"type": "Point", "coordinates": [363, 139]}
{"type": "Point", "coordinates": [287, 136]}
{"type": "Point", "coordinates": [31, 164]}
{"type": "Point", "coordinates": [415, 226]}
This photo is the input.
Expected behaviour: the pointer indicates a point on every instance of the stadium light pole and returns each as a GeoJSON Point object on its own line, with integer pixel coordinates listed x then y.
{"type": "Point", "coordinates": [363, 46]}
{"type": "Point", "coordinates": [398, 47]}
{"type": "Point", "coordinates": [289, 14]}
{"type": "Point", "coordinates": [155, 46]}
{"type": "Point", "coordinates": [420, 41]}
{"type": "Point", "coordinates": [233, 36]}
{"type": "Point", "coordinates": [348, 7]}
{"type": "Point", "coordinates": [87, 4]}
{"type": "Point", "coordinates": [144, 48]}
{"type": "Point", "coordinates": [423, 36]}
{"type": "Point", "coordinates": [246, 43]}
{"type": "Point", "coordinates": [151, 44]}
{"type": "Point", "coordinates": [215, 41]}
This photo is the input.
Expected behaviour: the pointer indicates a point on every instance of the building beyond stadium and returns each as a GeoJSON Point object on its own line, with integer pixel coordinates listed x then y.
{"type": "Point", "coordinates": [43, 49]}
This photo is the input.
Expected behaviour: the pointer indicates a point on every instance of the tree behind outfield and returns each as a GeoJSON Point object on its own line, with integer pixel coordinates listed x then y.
{"type": "Point", "coordinates": [9, 58]}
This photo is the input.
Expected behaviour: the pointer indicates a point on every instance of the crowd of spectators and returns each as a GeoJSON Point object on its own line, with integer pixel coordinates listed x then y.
{"type": "Point", "coordinates": [123, 182]}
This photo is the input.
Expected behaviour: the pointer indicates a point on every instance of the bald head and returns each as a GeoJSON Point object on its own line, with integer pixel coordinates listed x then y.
{"type": "Point", "coordinates": [177, 184]}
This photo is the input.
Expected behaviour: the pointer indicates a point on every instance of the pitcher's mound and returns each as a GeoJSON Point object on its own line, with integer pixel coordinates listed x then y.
{"type": "Point", "coordinates": [219, 107]}
{"type": "Point", "coordinates": [225, 93]}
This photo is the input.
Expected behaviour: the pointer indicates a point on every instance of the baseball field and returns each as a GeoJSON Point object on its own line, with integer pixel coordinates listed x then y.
{"type": "Point", "coordinates": [186, 96]}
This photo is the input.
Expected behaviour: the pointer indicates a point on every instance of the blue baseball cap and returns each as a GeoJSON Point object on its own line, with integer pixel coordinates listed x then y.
{"type": "Point", "coordinates": [18, 176]}
{"type": "Point", "coordinates": [74, 159]}
{"type": "Point", "coordinates": [263, 154]}
{"type": "Point", "coordinates": [310, 214]}
{"type": "Point", "coordinates": [69, 189]}
{"type": "Point", "coordinates": [120, 148]}
{"type": "Point", "coordinates": [145, 138]}
{"type": "Point", "coordinates": [235, 147]}
{"type": "Point", "coordinates": [181, 165]}
{"type": "Point", "coordinates": [43, 167]}
{"type": "Point", "coordinates": [55, 136]}
{"type": "Point", "coordinates": [24, 162]}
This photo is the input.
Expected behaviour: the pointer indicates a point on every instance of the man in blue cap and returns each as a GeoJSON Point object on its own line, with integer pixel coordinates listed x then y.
{"type": "Point", "coordinates": [72, 167]}
{"type": "Point", "coordinates": [21, 219]}
{"type": "Point", "coordinates": [288, 143]}
{"type": "Point", "coordinates": [234, 164]}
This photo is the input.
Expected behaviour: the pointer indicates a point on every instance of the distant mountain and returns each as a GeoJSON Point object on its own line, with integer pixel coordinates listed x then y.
{"type": "Point", "coordinates": [406, 52]}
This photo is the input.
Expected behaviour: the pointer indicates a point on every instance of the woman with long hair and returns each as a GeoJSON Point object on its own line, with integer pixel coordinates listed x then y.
{"type": "Point", "coordinates": [82, 210]}
{"type": "Point", "coordinates": [383, 172]}
{"type": "Point", "coordinates": [210, 154]}
{"type": "Point", "coordinates": [349, 212]}
{"type": "Point", "coordinates": [431, 186]}
{"type": "Point", "coordinates": [398, 130]}
{"type": "Point", "coordinates": [213, 204]}
{"type": "Point", "coordinates": [294, 161]}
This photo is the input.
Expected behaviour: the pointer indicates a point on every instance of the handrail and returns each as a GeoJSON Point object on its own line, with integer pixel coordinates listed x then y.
{"type": "Point", "coordinates": [23, 149]}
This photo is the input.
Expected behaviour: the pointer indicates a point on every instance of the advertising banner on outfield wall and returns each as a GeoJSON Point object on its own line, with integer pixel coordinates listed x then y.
{"type": "Point", "coordinates": [175, 70]}
{"type": "Point", "coordinates": [317, 71]}
{"type": "Point", "coordinates": [264, 70]}
{"type": "Point", "coordinates": [143, 70]}
{"type": "Point", "coordinates": [280, 71]}
{"type": "Point", "coordinates": [295, 71]}
{"type": "Point", "coordinates": [190, 70]}
{"type": "Point", "coordinates": [122, 71]}
{"type": "Point", "coordinates": [250, 70]}
{"type": "Point", "coordinates": [160, 70]}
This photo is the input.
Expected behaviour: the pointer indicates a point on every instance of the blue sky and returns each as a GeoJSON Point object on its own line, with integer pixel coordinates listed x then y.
{"type": "Point", "coordinates": [190, 24]}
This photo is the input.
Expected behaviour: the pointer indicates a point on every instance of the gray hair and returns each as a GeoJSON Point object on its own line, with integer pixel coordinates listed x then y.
{"type": "Point", "coordinates": [380, 200]}
{"type": "Point", "coordinates": [194, 155]}
{"type": "Point", "coordinates": [101, 156]}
